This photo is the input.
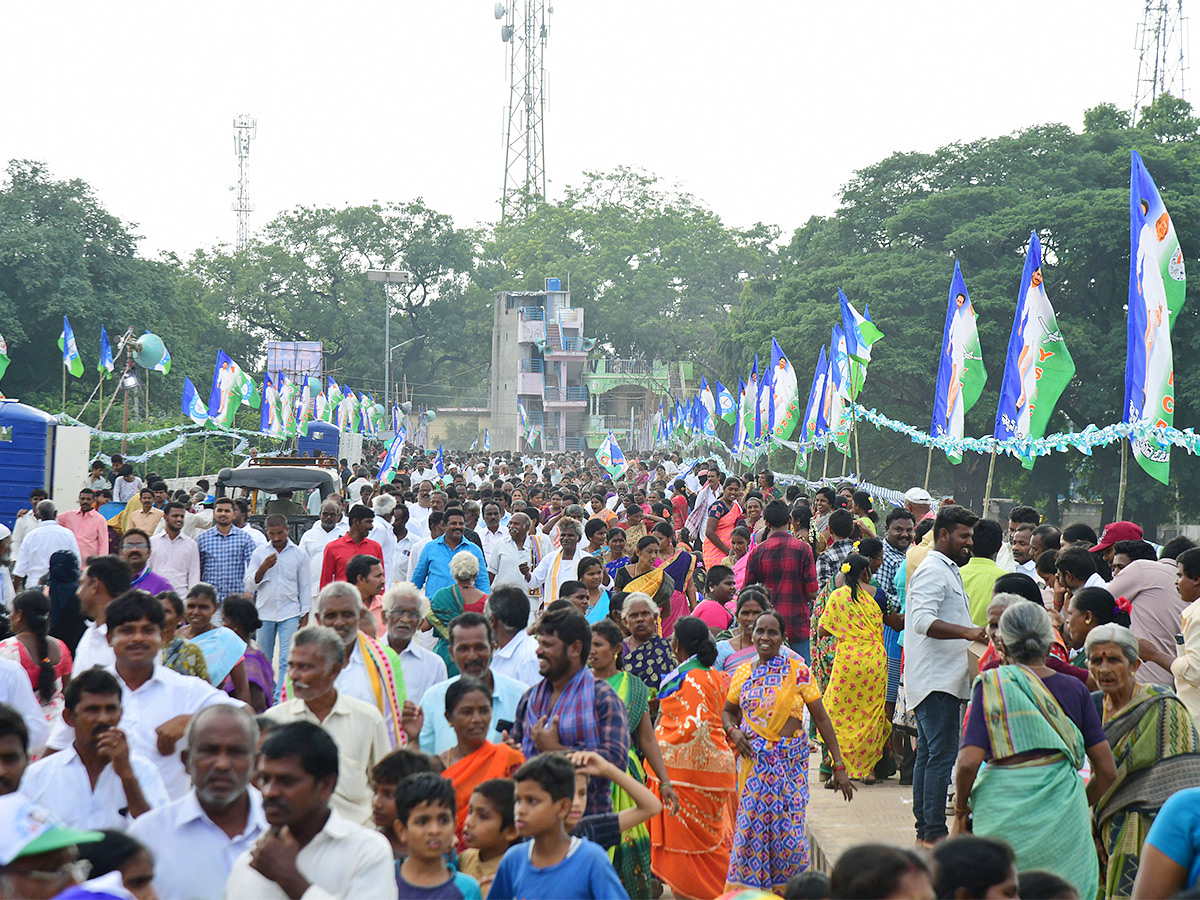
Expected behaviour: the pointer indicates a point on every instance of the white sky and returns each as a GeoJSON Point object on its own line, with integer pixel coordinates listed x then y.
{"type": "Point", "coordinates": [760, 108]}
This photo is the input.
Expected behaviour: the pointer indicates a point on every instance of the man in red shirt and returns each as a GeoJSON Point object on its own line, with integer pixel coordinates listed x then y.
{"type": "Point", "coordinates": [340, 551]}
{"type": "Point", "coordinates": [784, 564]}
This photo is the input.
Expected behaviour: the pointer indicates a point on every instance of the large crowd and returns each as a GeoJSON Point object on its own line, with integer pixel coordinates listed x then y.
{"type": "Point", "coordinates": [528, 678]}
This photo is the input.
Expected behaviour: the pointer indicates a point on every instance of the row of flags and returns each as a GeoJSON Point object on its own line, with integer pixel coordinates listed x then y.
{"type": "Point", "coordinates": [1037, 365]}
{"type": "Point", "coordinates": [73, 362]}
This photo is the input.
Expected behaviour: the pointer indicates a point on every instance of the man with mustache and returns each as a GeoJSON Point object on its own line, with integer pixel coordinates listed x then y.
{"type": "Point", "coordinates": [308, 844]}
{"type": "Point", "coordinates": [215, 822]}
{"type": "Point", "coordinates": [357, 727]}
{"type": "Point", "coordinates": [97, 782]}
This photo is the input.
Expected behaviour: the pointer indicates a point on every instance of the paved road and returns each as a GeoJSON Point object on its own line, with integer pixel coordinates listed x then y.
{"type": "Point", "coordinates": [880, 813]}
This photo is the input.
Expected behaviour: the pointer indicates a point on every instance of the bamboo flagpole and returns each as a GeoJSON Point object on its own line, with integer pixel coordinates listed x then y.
{"type": "Point", "coordinates": [1124, 477]}
{"type": "Point", "coordinates": [987, 493]}
{"type": "Point", "coordinates": [928, 466]}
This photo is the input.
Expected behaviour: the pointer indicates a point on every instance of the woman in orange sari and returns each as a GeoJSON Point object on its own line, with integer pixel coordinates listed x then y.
{"type": "Point", "coordinates": [724, 515]}
{"type": "Point", "coordinates": [690, 849]}
{"type": "Point", "coordinates": [474, 759]}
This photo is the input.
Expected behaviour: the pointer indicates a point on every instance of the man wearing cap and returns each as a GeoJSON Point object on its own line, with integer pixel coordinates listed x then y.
{"type": "Point", "coordinates": [1113, 532]}
{"type": "Point", "coordinates": [38, 856]}
{"type": "Point", "coordinates": [918, 502]}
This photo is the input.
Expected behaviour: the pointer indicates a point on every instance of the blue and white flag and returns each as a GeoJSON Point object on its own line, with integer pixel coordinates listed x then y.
{"type": "Point", "coordinates": [961, 375]}
{"type": "Point", "coordinates": [474, 444]}
{"type": "Point", "coordinates": [387, 467]}
{"type": "Point", "coordinates": [816, 398]}
{"type": "Point", "coordinates": [610, 457]}
{"type": "Point", "coordinates": [106, 365]}
{"type": "Point", "coordinates": [726, 405]}
{"type": "Point", "coordinates": [193, 407]}
{"type": "Point", "coordinates": [439, 463]}
{"type": "Point", "coordinates": [487, 441]}
{"type": "Point", "coordinates": [164, 364]}
{"type": "Point", "coordinates": [70, 350]}
{"type": "Point", "coordinates": [739, 423]}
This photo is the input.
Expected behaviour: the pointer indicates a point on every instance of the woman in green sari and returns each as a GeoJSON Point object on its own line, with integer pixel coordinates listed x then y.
{"type": "Point", "coordinates": [1154, 743]}
{"type": "Point", "coordinates": [451, 602]}
{"type": "Point", "coordinates": [632, 856]}
{"type": "Point", "coordinates": [1033, 726]}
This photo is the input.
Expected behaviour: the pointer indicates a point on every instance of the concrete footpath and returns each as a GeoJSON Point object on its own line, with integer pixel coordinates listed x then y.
{"type": "Point", "coordinates": [880, 813]}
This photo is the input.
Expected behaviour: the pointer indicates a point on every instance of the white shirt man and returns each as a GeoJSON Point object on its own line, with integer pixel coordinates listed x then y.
{"type": "Point", "coordinates": [16, 691]}
{"type": "Point", "coordinates": [404, 556]}
{"type": "Point", "coordinates": [166, 695]}
{"type": "Point", "coordinates": [313, 543]}
{"type": "Point", "coordinates": [285, 589]}
{"type": "Point", "coordinates": [33, 559]}
{"type": "Point", "coordinates": [507, 558]}
{"type": "Point", "coordinates": [518, 659]}
{"type": "Point", "coordinates": [176, 559]}
{"type": "Point", "coordinates": [381, 532]}
{"type": "Point", "coordinates": [554, 571]}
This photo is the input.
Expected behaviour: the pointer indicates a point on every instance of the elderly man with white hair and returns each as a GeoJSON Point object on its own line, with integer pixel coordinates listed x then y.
{"type": "Point", "coordinates": [368, 673]}
{"type": "Point", "coordinates": [33, 559]}
{"type": "Point", "coordinates": [403, 608]}
{"type": "Point", "coordinates": [384, 507]}
{"type": "Point", "coordinates": [356, 727]}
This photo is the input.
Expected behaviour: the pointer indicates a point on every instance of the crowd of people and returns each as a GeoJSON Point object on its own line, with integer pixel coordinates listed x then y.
{"type": "Point", "coordinates": [528, 678]}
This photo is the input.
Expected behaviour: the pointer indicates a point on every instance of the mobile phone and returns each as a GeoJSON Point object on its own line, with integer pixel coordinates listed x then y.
{"type": "Point", "coordinates": [1179, 639]}
{"type": "Point", "coordinates": [504, 725]}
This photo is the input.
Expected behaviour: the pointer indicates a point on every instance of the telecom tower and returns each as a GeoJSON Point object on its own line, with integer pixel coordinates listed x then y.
{"type": "Point", "coordinates": [525, 27]}
{"type": "Point", "coordinates": [245, 129]}
{"type": "Point", "coordinates": [1162, 53]}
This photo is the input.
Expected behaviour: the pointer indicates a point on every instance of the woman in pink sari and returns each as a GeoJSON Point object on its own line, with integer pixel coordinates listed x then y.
{"type": "Point", "coordinates": [724, 515]}
{"type": "Point", "coordinates": [681, 566]}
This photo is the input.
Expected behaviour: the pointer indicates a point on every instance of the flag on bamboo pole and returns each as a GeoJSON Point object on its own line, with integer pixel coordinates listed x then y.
{"type": "Point", "coordinates": [474, 444]}
{"type": "Point", "coordinates": [225, 396]}
{"type": "Point", "coordinates": [70, 350]}
{"type": "Point", "coordinates": [726, 405]}
{"type": "Point", "coordinates": [750, 403]}
{"type": "Point", "coordinates": [1157, 281]}
{"type": "Point", "coordinates": [193, 407]}
{"type": "Point", "coordinates": [785, 394]}
{"type": "Point", "coordinates": [307, 408]}
{"type": "Point", "coordinates": [764, 425]}
{"type": "Point", "coordinates": [106, 365]}
{"type": "Point", "coordinates": [610, 457]}
{"type": "Point", "coordinates": [838, 391]}
{"type": "Point", "coordinates": [816, 398]}
{"type": "Point", "coordinates": [1037, 366]}
{"type": "Point", "coordinates": [387, 466]}
{"type": "Point", "coordinates": [860, 333]}
{"type": "Point", "coordinates": [3, 356]}
{"type": "Point", "coordinates": [961, 373]}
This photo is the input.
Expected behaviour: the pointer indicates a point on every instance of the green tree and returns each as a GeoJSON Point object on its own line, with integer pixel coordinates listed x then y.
{"type": "Point", "coordinates": [893, 242]}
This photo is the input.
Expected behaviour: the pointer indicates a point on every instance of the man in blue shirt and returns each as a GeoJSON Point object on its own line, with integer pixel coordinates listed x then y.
{"type": "Point", "coordinates": [471, 649]}
{"type": "Point", "coordinates": [225, 551]}
{"type": "Point", "coordinates": [432, 571]}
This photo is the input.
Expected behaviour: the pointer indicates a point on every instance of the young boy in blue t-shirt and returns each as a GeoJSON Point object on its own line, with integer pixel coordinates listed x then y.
{"type": "Point", "coordinates": [552, 863]}
{"type": "Point", "coordinates": [425, 817]}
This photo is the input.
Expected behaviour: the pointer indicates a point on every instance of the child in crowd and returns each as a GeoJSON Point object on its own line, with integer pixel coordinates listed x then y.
{"type": "Point", "coordinates": [425, 816]}
{"type": "Point", "coordinates": [385, 778]}
{"type": "Point", "coordinates": [605, 829]}
{"type": "Point", "coordinates": [489, 831]}
{"type": "Point", "coordinates": [552, 863]}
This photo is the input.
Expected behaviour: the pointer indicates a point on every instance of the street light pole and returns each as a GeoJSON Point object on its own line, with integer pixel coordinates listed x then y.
{"type": "Point", "coordinates": [388, 276]}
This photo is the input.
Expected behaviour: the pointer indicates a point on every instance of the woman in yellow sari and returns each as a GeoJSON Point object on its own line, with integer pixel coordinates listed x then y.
{"type": "Point", "coordinates": [762, 718]}
{"type": "Point", "coordinates": [858, 682]}
{"type": "Point", "coordinates": [724, 515]}
{"type": "Point", "coordinates": [679, 565]}
{"type": "Point", "coordinates": [643, 575]}
{"type": "Point", "coordinates": [690, 846]}
{"type": "Point", "coordinates": [474, 759]}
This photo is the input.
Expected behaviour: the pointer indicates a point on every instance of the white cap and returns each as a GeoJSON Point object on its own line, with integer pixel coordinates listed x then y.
{"type": "Point", "coordinates": [918, 495]}
{"type": "Point", "coordinates": [4, 532]}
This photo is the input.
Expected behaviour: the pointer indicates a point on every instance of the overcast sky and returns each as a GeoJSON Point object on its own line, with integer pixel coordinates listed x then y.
{"type": "Point", "coordinates": [762, 109]}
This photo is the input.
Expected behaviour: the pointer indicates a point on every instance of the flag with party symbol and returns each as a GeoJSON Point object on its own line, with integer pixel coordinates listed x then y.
{"type": "Point", "coordinates": [785, 394]}
{"type": "Point", "coordinates": [860, 334]}
{"type": "Point", "coordinates": [164, 364]}
{"type": "Point", "coordinates": [70, 350]}
{"type": "Point", "coordinates": [816, 399]}
{"type": "Point", "coordinates": [610, 457]}
{"type": "Point", "coordinates": [106, 365]}
{"type": "Point", "coordinates": [961, 373]}
{"type": "Point", "coordinates": [193, 407]}
{"type": "Point", "coordinates": [726, 405]}
{"type": "Point", "coordinates": [1157, 287]}
{"type": "Point", "coordinates": [1037, 366]}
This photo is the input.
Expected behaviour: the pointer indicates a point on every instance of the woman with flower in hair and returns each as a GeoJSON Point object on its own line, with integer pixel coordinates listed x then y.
{"type": "Point", "coordinates": [854, 616]}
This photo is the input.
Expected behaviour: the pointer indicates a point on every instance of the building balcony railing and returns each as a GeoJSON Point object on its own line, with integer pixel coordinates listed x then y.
{"type": "Point", "coordinates": [565, 395]}
{"type": "Point", "coordinates": [532, 313]}
{"type": "Point", "coordinates": [532, 365]}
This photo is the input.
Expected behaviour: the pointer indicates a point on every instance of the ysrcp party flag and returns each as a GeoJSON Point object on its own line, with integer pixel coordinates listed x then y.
{"type": "Point", "coordinates": [3, 356]}
{"type": "Point", "coordinates": [860, 333]}
{"type": "Point", "coordinates": [816, 398]}
{"type": "Point", "coordinates": [306, 410]}
{"type": "Point", "coordinates": [268, 418]}
{"type": "Point", "coordinates": [1157, 281]}
{"type": "Point", "coordinates": [226, 395]}
{"type": "Point", "coordinates": [785, 394]}
{"type": "Point", "coordinates": [961, 374]}
{"type": "Point", "coordinates": [70, 350]}
{"type": "Point", "coordinates": [764, 418]}
{"type": "Point", "coordinates": [750, 403]}
{"type": "Point", "coordinates": [487, 441]}
{"type": "Point", "coordinates": [387, 466]}
{"type": "Point", "coordinates": [726, 405]}
{"type": "Point", "coordinates": [837, 391]}
{"type": "Point", "coordinates": [106, 365]}
{"type": "Point", "coordinates": [439, 463]}
{"type": "Point", "coordinates": [610, 457]}
{"type": "Point", "coordinates": [193, 407]}
{"type": "Point", "coordinates": [1037, 367]}
{"type": "Point", "coordinates": [739, 423]}
{"type": "Point", "coordinates": [164, 364]}
{"type": "Point", "coordinates": [708, 414]}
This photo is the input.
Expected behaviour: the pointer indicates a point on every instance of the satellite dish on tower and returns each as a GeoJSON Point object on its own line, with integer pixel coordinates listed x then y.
{"type": "Point", "coordinates": [506, 33]}
{"type": "Point", "coordinates": [500, 11]}
{"type": "Point", "coordinates": [148, 350]}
